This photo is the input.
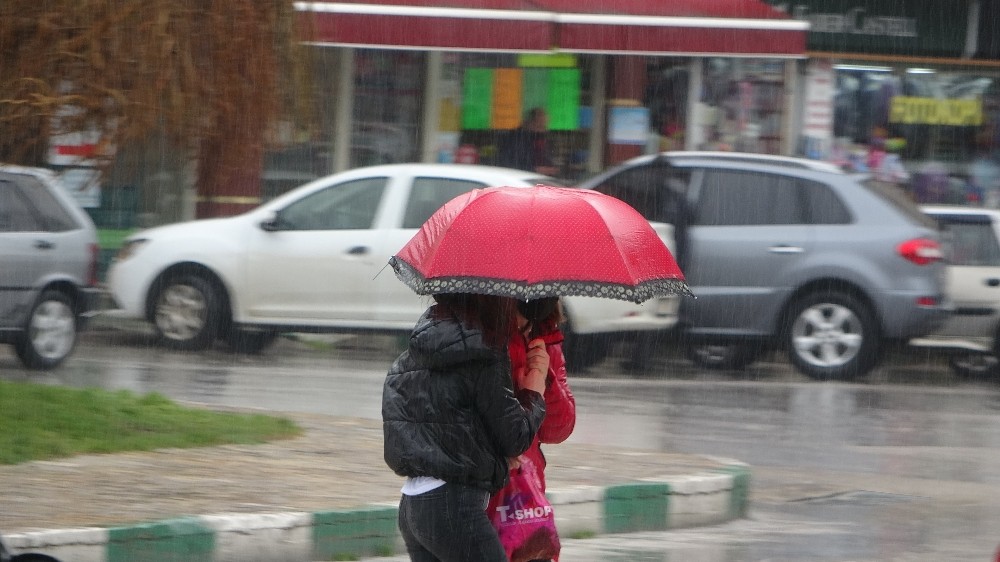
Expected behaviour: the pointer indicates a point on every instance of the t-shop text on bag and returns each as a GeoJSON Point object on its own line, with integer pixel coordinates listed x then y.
{"type": "Point", "coordinates": [520, 514]}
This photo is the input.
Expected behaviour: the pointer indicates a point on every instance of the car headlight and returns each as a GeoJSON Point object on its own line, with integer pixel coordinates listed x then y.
{"type": "Point", "coordinates": [129, 248]}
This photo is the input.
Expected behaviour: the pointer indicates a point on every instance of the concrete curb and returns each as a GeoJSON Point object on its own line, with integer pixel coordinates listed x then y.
{"type": "Point", "coordinates": [654, 504]}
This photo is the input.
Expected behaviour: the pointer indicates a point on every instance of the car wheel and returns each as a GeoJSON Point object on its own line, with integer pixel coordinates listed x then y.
{"type": "Point", "coordinates": [249, 340]}
{"type": "Point", "coordinates": [832, 336]}
{"type": "Point", "coordinates": [50, 334]}
{"type": "Point", "coordinates": [974, 365]}
{"type": "Point", "coordinates": [722, 357]}
{"type": "Point", "coordinates": [187, 313]}
{"type": "Point", "coordinates": [583, 351]}
{"type": "Point", "coordinates": [642, 352]}
{"type": "Point", "coordinates": [33, 557]}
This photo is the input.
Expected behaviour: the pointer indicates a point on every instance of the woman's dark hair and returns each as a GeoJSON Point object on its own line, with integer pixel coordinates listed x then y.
{"type": "Point", "coordinates": [540, 312]}
{"type": "Point", "coordinates": [492, 314]}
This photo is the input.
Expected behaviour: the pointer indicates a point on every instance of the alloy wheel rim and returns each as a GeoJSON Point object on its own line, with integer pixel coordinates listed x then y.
{"type": "Point", "coordinates": [53, 330]}
{"type": "Point", "coordinates": [827, 335]}
{"type": "Point", "coordinates": [180, 312]}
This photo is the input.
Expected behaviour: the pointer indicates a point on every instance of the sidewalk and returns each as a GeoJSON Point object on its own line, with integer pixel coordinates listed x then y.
{"type": "Point", "coordinates": [326, 495]}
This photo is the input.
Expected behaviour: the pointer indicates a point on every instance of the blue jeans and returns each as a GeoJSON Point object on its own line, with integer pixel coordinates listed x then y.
{"type": "Point", "coordinates": [449, 524]}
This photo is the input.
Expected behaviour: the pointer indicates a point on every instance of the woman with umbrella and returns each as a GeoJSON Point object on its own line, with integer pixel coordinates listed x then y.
{"type": "Point", "coordinates": [540, 318]}
{"type": "Point", "coordinates": [451, 416]}
{"type": "Point", "coordinates": [451, 419]}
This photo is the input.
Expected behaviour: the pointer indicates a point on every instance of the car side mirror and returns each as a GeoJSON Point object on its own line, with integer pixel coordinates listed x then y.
{"type": "Point", "coordinates": [271, 223]}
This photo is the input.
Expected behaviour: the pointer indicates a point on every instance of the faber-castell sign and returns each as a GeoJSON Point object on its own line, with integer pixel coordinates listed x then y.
{"type": "Point", "coordinates": [933, 28]}
{"type": "Point", "coordinates": [856, 21]}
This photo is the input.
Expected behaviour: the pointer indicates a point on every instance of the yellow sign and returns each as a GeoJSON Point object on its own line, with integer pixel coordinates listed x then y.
{"type": "Point", "coordinates": [932, 111]}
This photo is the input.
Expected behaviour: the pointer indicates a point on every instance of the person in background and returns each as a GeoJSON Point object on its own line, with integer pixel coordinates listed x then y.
{"type": "Point", "coordinates": [540, 319]}
{"type": "Point", "coordinates": [451, 419]}
{"type": "Point", "coordinates": [876, 149]}
{"type": "Point", "coordinates": [526, 148]}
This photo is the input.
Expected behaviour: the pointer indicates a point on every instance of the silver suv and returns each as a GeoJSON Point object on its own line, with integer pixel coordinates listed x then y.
{"type": "Point", "coordinates": [48, 266]}
{"type": "Point", "coordinates": [789, 253]}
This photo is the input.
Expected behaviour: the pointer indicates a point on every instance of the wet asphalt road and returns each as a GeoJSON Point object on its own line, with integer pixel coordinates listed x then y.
{"type": "Point", "coordinates": [900, 466]}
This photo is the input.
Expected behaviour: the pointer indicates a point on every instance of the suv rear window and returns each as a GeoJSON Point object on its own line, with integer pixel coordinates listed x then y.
{"type": "Point", "coordinates": [26, 205]}
{"type": "Point", "coordinates": [973, 245]}
{"type": "Point", "coordinates": [899, 199]}
{"type": "Point", "coordinates": [969, 239]}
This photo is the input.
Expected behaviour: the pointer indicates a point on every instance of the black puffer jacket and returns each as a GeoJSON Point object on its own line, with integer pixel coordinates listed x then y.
{"type": "Point", "coordinates": [449, 409]}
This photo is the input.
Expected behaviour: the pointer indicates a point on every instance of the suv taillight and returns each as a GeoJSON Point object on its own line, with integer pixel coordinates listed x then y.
{"type": "Point", "coordinates": [920, 251]}
{"type": "Point", "coordinates": [95, 252]}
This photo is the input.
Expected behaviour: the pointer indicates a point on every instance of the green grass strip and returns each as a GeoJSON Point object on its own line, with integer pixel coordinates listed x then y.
{"type": "Point", "coordinates": [39, 422]}
{"type": "Point", "coordinates": [111, 238]}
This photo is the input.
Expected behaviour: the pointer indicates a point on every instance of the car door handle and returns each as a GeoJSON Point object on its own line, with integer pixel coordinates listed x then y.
{"type": "Point", "coordinates": [786, 249]}
{"type": "Point", "coordinates": [992, 282]}
{"type": "Point", "coordinates": [44, 245]}
{"type": "Point", "coordinates": [358, 251]}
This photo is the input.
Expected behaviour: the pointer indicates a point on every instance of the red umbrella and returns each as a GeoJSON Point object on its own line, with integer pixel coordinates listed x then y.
{"type": "Point", "coordinates": [532, 242]}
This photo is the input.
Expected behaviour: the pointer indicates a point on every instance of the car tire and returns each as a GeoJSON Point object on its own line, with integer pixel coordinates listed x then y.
{"type": "Point", "coordinates": [187, 313]}
{"type": "Point", "coordinates": [978, 366]}
{"type": "Point", "coordinates": [734, 357]}
{"type": "Point", "coordinates": [33, 557]}
{"type": "Point", "coordinates": [832, 336]}
{"type": "Point", "coordinates": [249, 340]}
{"type": "Point", "coordinates": [51, 332]}
{"type": "Point", "coordinates": [642, 353]}
{"type": "Point", "coordinates": [583, 351]}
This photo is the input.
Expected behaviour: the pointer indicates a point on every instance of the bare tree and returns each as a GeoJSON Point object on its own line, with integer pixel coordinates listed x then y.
{"type": "Point", "coordinates": [210, 75]}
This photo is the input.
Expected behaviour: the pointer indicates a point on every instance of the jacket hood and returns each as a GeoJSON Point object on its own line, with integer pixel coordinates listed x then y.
{"type": "Point", "coordinates": [439, 340]}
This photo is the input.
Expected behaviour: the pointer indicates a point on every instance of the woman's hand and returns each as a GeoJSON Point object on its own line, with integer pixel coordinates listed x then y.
{"type": "Point", "coordinates": [537, 362]}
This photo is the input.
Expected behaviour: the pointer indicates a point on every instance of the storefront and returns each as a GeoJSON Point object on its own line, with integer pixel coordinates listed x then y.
{"type": "Point", "coordinates": [413, 82]}
{"type": "Point", "coordinates": [904, 89]}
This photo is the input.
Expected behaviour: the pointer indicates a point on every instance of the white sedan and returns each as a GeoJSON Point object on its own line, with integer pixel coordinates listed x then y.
{"type": "Point", "coordinates": [315, 260]}
{"type": "Point", "coordinates": [972, 250]}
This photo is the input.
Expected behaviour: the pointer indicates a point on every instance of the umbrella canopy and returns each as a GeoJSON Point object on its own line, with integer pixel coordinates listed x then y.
{"type": "Point", "coordinates": [533, 242]}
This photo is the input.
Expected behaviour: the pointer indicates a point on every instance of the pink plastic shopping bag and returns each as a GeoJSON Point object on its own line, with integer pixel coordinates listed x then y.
{"type": "Point", "coordinates": [523, 517]}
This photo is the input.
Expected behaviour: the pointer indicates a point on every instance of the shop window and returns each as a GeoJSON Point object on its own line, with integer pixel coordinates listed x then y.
{"type": "Point", "coordinates": [667, 99]}
{"type": "Point", "coordinates": [943, 126]}
{"type": "Point", "coordinates": [388, 106]}
{"type": "Point", "coordinates": [742, 105]}
{"type": "Point", "coordinates": [486, 95]}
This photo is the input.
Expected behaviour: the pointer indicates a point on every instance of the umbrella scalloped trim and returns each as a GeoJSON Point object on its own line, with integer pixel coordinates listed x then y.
{"type": "Point", "coordinates": [527, 291]}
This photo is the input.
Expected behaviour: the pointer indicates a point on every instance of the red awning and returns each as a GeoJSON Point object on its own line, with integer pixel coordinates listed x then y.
{"type": "Point", "coordinates": [418, 25]}
{"type": "Point", "coordinates": [666, 27]}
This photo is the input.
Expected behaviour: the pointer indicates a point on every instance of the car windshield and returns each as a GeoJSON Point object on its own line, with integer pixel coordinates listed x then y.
{"type": "Point", "coordinates": [900, 200]}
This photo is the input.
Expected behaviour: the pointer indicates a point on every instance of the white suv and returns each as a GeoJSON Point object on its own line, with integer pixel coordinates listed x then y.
{"type": "Point", "coordinates": [315, 260]}
{"type": "Point", "coordinates": [972, 252]}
